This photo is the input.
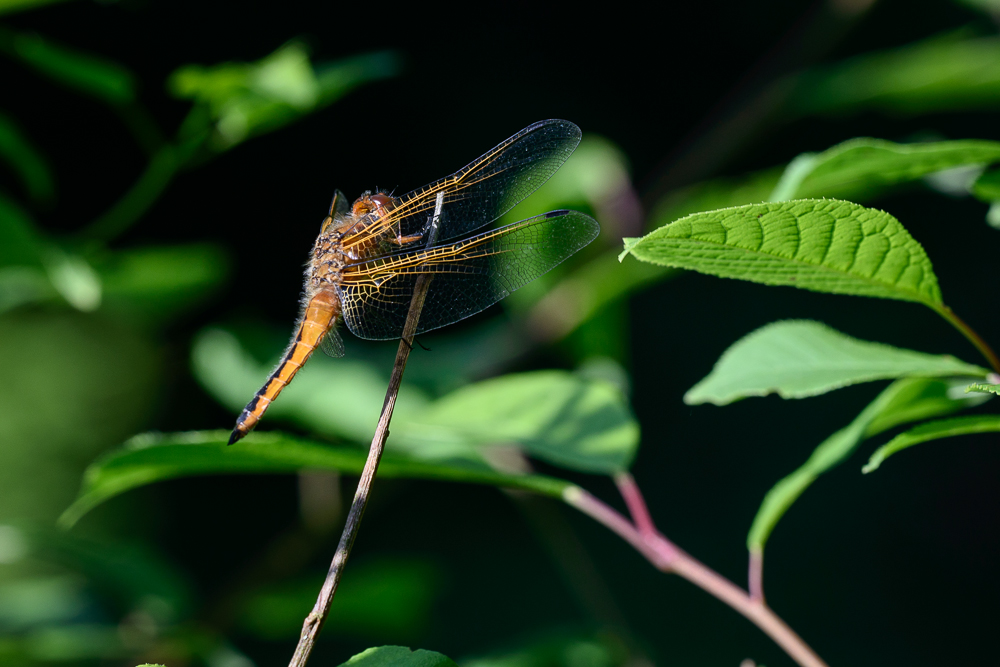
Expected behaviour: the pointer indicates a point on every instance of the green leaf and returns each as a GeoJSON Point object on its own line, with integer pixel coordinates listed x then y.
{"type": "Point", "coordinates": [987, 186]}
{"type": "Point", "coordinates": [249, 99]}
{"type": "Point", "coordinates": [801, 358]}
{"type": "Point", "coordinates": [335, 397]}
{"type": "Point", "coordinates": [398, 656]}
{"type": "Point", "coordinates": [945, 428]}
{"type": "Point", "coordinates": [821, 245]}
{"type": "Point", "coordinates": [99, 77]}
{"type": "Point", "coordinates": [983, 388]}
{"type": "Point", "coordinates": [552, 415]}
{"type": "Point", "coordinates": [916, 399]}
{"type": "Point", "coordinates": [938, 74]}
{"type": "Point", "coordinates": [861, 168]}
{"type": "Point", "coordinates": [26, 160]}
{"type": "Point", "coordinates": [901, 401]}
{"type": "Point", "coordinates": [150, 458]}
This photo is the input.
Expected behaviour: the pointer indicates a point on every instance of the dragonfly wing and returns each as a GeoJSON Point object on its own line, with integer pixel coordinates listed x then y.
{"type": "Point", "coordinates": [484, 190]}
{"type": "Point", "coordinates": [332, 344]}
{"type": "Point", "coordinates": [466, 276]}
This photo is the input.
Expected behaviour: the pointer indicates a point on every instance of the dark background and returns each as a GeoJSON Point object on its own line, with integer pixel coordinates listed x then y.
{"type": "Point", "coordinates": [892, 568]}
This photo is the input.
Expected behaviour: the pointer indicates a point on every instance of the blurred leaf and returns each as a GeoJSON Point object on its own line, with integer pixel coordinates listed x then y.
{"type": "Point", "coordinates": [921, 398]}
{"type": "Point", "coordinates": [987, 186]}
{"type": "Point", "coordinates": [152, 458]}
{"type": "Point", "coordinates": [74, 385]}
{"type": "Point", "coordinates": [248, 99]}
{"type": "Point", "coordinates": [155, 283]}
{"type": "Point", "coordinates": [74, 279]}
{"type": "Point", "coordinates": [983, 388]}
{"type": "Point", "coordinates": [76, 642]}
{"type": "Point", "coordinates": [129, 573]}
{"type": "Point", "coordinates": [387, 598]}
{"type": "Point", "coordinates": [26, 161]}
{"type": "Point", "coordinates": [552, 415]}
{"type": "Point", "coordinates": [861, 168]}
{"type": "Point", "coordinates": [38, 601]}
{"type": "Point", "coordinates": [398, 656]}
{"type": "Point", "coordinates": [821, 245]}
{"type": "Point", "coordinates": [340, 397]}
{"type": "Point", "coordinates": [945, 428]}
{"type": "Point", "coordinates": [13, 6]}
{"type": "Point", "coordinates": [800, 358]}
{"type": "Point", "coordinates": [902, 400]}
{"type": "Point", "coordinates": [939, 74]}
{"type": "Point", "coordinates": [555, 415]}
{"type": "Point", "coordinates": [96, 76]}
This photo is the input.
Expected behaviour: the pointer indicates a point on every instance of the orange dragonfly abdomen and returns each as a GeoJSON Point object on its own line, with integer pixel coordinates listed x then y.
{"type": "Point", "coordinates": [321, 313]}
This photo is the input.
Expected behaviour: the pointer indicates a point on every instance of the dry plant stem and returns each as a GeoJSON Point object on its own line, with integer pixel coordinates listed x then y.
{"type": "Point", "coordinates": [665, 556]}
{"type": "Point", "coordinates": [314, 621]}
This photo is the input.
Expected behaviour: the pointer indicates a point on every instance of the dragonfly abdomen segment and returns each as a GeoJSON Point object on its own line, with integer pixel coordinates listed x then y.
{"type": "Point", "coordinates": [320, 314]}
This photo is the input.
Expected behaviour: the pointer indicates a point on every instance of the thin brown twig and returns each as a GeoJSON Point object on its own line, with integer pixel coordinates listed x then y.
{"type": "Point", "coordinates": [314, 621]}
{"type": "Point", "coordinates": [667, 557]}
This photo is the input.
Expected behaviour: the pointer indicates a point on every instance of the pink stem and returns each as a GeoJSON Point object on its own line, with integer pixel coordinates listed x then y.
{"type": "Point", "coordinates": [755, 578]}
{"type": "Point", "coordinates": [665, 556]}
{"type": "Point", "coordinates": [635, 502]}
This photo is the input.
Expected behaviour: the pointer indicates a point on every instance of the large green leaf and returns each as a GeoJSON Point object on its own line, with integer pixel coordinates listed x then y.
{"type": "Point", "coordinates": [944, 428]}
{"type": "Point", "coordinates": [552, 415]}
{"type": "Point", "coordinates": [150, 458]}
{"type": "Point", "coordinates": [398, 656]}
{"type": "Point", "coordinates": [860, 168]}
{"type": "Point", "coordinates": [822, 245]}
{"type": "Point", "coordinates": [800, 358]}
{"type": "Point", "coordinates": [93, 75]}
{"type": "Point", "coordinates": [904, 400]}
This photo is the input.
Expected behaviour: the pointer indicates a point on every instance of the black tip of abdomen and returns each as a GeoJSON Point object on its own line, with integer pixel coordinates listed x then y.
{"type": "Point", "coordinates": [236, 435]}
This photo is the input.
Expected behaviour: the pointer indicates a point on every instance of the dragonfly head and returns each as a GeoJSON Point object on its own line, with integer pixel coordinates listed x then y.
{"type": "Point", "coordinates": [371, 203]}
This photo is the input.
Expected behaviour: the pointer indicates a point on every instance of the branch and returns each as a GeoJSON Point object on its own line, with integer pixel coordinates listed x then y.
{"type": "Point", "coordinates": [667, 557]}
{"type": "Point", "coordinates": [314, 621]}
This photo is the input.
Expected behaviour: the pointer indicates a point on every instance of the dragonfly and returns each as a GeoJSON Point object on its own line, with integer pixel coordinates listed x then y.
{"type": "Point", "coordinates": [369, 256]}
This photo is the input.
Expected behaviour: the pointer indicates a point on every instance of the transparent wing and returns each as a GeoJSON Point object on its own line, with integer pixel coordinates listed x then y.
{"type": "Point", "coordinates": [332, 344]}
{"type": "Point", "coordinates": [484, 190]}
{"type": "Point", "coordinates": [467, 276]}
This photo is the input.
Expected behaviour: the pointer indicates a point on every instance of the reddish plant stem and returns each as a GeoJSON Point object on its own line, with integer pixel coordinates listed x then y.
{"type": "Point", "coordinates": [755, 578]}
{"type": "Point", "coordinates": [667, 557]}
{"type": "Point", "coordinates": [635, 502]}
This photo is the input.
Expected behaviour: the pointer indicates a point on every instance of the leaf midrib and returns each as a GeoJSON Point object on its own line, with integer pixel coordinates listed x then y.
{"type": "Point", "coordinates": [922, 299]}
